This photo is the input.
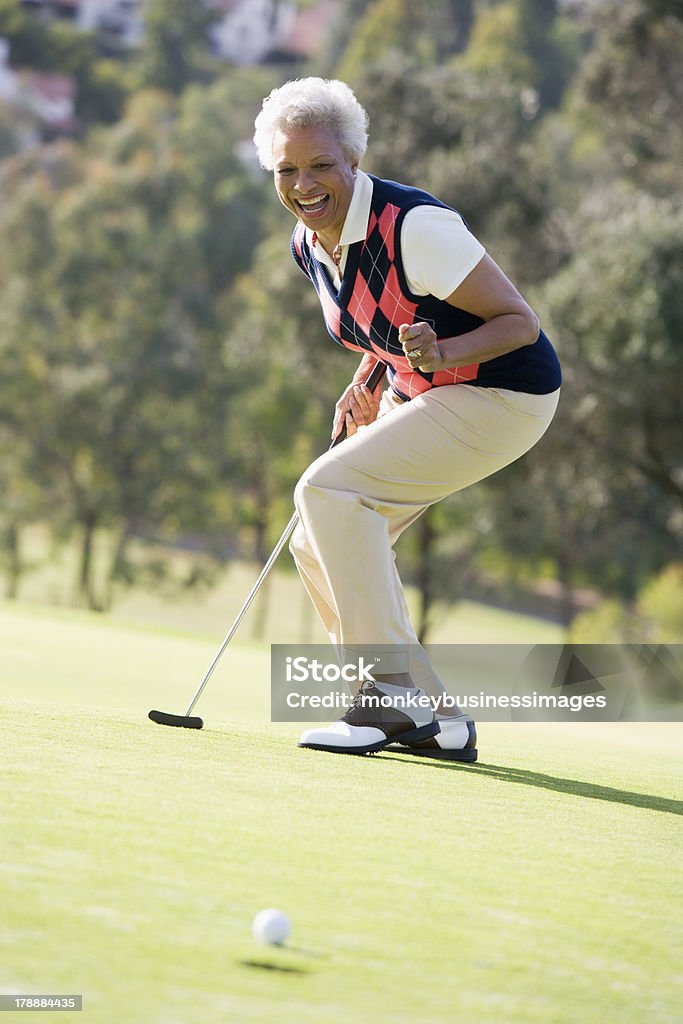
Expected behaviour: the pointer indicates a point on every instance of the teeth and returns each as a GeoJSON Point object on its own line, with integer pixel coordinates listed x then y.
{"type": "Point", "coordinates": [311, 202]}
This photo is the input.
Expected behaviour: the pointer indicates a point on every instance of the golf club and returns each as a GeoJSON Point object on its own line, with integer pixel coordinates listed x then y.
{"type": "Point", "coordinates": [188, 721]}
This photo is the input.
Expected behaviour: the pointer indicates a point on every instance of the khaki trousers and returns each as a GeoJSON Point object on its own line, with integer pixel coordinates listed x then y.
{"type": "Point", "coordinates": [358, 498]}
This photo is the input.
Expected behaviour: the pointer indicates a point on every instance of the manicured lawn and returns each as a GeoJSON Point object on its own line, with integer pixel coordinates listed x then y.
{"type": "Point", "coordinates": [538, 885]}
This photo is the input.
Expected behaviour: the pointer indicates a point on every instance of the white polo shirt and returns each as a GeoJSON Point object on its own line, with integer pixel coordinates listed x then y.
{"type": "Point", "coordinates": [438, 250]}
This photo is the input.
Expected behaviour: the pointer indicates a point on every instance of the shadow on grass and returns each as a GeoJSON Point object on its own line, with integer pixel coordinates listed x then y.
{"type": "Point", "coordinates": [267, 965]}
{"type": "Point", "coordinates": [527, 778]}
{"type": "Point", "coordinates": [286, 968]}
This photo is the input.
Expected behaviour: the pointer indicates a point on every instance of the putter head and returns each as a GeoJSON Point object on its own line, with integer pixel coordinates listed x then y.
{"type": "Point", "coordinates": [180, 721]}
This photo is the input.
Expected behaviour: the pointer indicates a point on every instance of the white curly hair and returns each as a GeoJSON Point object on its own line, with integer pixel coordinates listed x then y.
{"type": "Point", "coordinates": [310, 102]}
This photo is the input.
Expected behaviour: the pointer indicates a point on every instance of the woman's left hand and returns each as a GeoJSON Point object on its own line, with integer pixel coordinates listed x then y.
{"type": "Point", "coordinates": [421, 347]}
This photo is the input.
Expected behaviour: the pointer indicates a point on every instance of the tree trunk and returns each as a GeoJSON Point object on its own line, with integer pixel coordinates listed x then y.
{"type": "Point", "coordinates": [462, 13]}
{"type": "Point", "coordinates": [117, 565]}
{"type": "Point", "coordinates": [14, 566]}
{"type": "Point", "coordinates": [565, 551]}
{"type": "Point", "coordinates": [86, 586]}
{"type": "Point", "coordinates": [263, 598]}
{"type": "Point", "coordinates": [261, 610]}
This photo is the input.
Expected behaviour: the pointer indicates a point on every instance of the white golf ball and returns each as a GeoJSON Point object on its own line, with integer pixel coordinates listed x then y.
{"type": "Point", "coordinates": [271, 926]}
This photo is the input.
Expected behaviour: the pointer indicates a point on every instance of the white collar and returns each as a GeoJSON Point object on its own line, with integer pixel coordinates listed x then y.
{"type": "Point", "coordinates": [357, 216]}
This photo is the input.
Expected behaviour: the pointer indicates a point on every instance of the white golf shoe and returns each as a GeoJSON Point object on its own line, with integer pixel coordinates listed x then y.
{"type": "Point", "coordinates": [456, 741]}
{"type": "Point", "coordinates": [380, 714]}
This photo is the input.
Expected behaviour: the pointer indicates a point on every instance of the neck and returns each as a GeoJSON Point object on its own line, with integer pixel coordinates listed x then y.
{"type": "Point", "coordinates": [333, 250]}
{"type": "Point", "coordinates": [328, 239]}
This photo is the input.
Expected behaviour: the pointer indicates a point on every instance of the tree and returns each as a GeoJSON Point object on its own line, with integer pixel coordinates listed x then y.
{"type": "Point", "coordinates": [288, 374]}
{"type": "Point", "coordinates": [630, 91]}
{"type": "Point", "coordinates": [552, 45]}
{"type": "Point", "coordinates": [655, 618]}
{"type": "Point", "coordinates": [102, 85]}
{"type": "Point", "coordinates": [396, 30]}
{"type": "Point", "coordinates": [661, 602]}
{"type": "Point", "coordinates": [620, 304]}
{"type": "Point", "coordinates": [597, 502]}
{"type": "Point", "coordinates": [438, 555]}
{"type": "Point", "coordinates": [112, 363]}
{"type": "Point", "coordinates": [574, 506]}
{"type": "Point", "coordinates": [340, 35]}
{"type": "Point", "coordinates": [175, 43]}
{"type": "Point", "coordinates": [441, 28]}
{"type": "Point", "coordinates": [616, 310]}
{"type": "Point", "coordinates": [9, 138]}
{"type": "Point", "coordinates": [23, 502]}
{"type": "Point", "coordinates": [462, 136]}
{"type": "Point", "coordinates": [29, 37]}
{"type": "Point", "coordinates": [531, 45]}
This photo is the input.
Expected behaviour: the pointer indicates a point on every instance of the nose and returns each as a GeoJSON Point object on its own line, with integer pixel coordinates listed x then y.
{"type": "Point", "coordinates": [305, 181]}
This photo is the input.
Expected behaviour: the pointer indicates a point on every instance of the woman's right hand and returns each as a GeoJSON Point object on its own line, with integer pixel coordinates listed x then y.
{"type": "Point", "coordinates": [356, 408]}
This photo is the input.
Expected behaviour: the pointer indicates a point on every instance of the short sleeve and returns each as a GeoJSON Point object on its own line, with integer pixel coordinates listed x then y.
{"type": "Point", "coordinates": [438, 250]}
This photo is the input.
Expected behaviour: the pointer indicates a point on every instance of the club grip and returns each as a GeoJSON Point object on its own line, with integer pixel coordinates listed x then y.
{"type": "Point", "coordinates": [373, 382]}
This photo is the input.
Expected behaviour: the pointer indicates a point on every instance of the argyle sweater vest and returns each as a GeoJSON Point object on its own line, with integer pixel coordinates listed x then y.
{"type": "Point", "coordinates": [374, 300]}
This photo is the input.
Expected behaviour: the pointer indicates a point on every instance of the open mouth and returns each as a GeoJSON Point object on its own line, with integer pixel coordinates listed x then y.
{"type": "Point", "coordinates": [313, 206]}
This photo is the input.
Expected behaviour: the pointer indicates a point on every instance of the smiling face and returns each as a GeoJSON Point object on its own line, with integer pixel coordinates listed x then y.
{"type": "Point", "coordinates": [314, 179]}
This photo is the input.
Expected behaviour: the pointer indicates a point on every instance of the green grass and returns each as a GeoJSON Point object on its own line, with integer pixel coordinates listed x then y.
{"type": "Point", "coordinates": [536, 886]}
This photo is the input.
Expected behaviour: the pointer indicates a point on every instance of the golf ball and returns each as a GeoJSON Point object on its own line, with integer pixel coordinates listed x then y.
{"type": "Point", "coordinates": [271, 926]}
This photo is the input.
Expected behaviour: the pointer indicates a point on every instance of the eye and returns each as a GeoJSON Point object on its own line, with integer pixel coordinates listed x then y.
{"type": "Point", "coordinates": [322, 167]}
{"type": "Point", "coordinates": [285, 170]}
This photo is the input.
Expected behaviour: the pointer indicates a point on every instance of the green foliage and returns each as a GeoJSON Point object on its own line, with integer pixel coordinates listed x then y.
{"type": "Point", "coordinates": [23, 500]}
{"type": "Point", "coordinates": [496, 44]}
{"type": "Point", "coordinates": [289, 375]}
{"type": "Point", "coordinates": [636, 256]}
{"type": "Point", "coordinates": [611, 623]}
{"type": "Point", "coordinates": [163, 370]}
{"type": "Point", "coordinates": [397, 31]}
{"type": "Point", "coordinates": [527, 43]}
{"type": "Point", "coordinates": [174, 47]}
{"type": "Point", "coordinates": [552, 45]}
{"type": "Point", "coordinates": [101, 85]}
{"type": "Point", "coordinates": [656, 617]}
{"type": "Point", "coordinates": [9, 136]}
{"type": "Point", "coordinates": [630, 90]}
{"type": "Point", "coordinates": [601, 493]}
{"type": "Point", "coordinates": [112, 362]}
{"type": "Point", "coordinates": [463, 136]}
{"type": "Point", "coordinates": [438, 555]}
{"type": "Point", "coordinates": [29, 38]}
{"type": "Point", "coordinates": [103, 88]}
{"type": "Point", "coordinates": [661, 602]}
{"type": "Point", "coordinates": [339, 37]}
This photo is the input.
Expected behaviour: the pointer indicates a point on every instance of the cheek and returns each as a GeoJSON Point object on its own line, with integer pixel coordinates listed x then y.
{"type": "Point", "coordinates": [281, 193]}
{"type": "Point", "coordinates": [345, 188]}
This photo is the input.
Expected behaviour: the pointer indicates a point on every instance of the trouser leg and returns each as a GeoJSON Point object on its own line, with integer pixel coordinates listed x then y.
{"type": "Point", "coordinates": [355, 501]}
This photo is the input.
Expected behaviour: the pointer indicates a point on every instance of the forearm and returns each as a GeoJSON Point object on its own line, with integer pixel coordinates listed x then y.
{"type": "Point", "coordinates": [365, 368]}
{"type": "Point", "coordinates": [496, 337]}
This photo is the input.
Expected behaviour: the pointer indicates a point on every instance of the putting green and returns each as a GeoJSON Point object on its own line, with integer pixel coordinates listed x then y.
{"type": "Point", "coordinates": [535, 886]}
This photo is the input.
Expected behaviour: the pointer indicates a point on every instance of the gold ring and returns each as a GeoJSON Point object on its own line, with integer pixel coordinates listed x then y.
{"type": "Point", "coordinates": [416, 353]}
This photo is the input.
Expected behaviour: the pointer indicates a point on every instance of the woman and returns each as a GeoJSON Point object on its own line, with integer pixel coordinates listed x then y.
{"type": "Point", "coordinates": [474, 384]}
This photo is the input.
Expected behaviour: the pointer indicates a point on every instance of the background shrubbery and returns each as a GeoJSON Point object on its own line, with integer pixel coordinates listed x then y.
{"type": "Point", "coordinates": [164, 371]}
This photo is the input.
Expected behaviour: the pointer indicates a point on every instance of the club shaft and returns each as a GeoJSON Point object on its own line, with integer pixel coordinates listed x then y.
{"type": "Point", "coordinates": [288, 531]}
{"type": "Point", "coordinates": [373, 382]}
